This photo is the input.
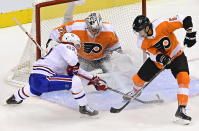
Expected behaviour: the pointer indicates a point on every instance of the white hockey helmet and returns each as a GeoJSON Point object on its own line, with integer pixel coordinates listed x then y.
{"type": "Point", "coordinates": [94, 23]}
{"type": "Point", "coordinates": [71, 38]}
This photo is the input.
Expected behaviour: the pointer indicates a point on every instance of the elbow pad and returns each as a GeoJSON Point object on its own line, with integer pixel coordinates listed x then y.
{"type": "Point", "coordinates": [187, 23]}
{"type": "Point", "coordinates": [73, 70]}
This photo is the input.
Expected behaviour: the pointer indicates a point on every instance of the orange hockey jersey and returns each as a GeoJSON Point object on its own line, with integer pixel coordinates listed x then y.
{"type": "Point", "coordinates": [163, 34]}
{"type": "Point", "coordinates": [92, 48]}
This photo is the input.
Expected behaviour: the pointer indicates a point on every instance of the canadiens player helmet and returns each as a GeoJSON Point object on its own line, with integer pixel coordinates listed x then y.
{"type": "Point", "coordinates": [140, 23]}
{"type": "Point", "coordinates": [94, 23]}
{"type": "Point", "coordinates": [72, 38]}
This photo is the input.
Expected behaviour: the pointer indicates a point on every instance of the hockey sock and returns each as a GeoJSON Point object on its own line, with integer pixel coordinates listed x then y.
{"type": "Point", "coordinates": [23, 93]}
{"type": "Point", "coordinates": [80, 98]}
{"type": "Point", "coordinates": [78, 91]}
{"type": "Point", "coordinates": [183, 90]}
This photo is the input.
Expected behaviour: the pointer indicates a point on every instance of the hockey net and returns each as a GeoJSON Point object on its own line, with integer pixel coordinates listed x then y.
{"type": "Point", "coordinates": [50, 14]}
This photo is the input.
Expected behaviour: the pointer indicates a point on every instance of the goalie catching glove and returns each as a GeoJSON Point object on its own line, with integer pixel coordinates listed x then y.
{"type": "Point", "coordinates": [98, 83]}
{"type": "Point", "coordinates": [73, 70]}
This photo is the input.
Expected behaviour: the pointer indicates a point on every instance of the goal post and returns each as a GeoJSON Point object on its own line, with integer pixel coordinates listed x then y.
{"type": "Point", "coordinates": [38, 19]}
{"type": "Point", "coordinates": [48, 14]}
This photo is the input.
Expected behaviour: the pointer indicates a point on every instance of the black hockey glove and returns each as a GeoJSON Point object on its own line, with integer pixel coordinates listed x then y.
{"type": "Point", "coordinates": [190, 39]}
{"type": "Point", "coordinates": [164, 59]}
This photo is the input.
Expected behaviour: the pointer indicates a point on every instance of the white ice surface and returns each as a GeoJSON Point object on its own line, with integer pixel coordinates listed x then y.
{"type": "Point", "coordinates": [40, 115]}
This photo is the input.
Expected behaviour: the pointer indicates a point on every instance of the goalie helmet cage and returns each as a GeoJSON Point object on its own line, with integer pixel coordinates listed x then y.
{"type": "Point", "coordinates": [50, 14]}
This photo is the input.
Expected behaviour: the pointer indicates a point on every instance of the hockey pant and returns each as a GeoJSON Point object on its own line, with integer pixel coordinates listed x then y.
{"type": "Point", "coordinates": [180, 70]}
{"type": "Point", "coordinates": [39, 84]}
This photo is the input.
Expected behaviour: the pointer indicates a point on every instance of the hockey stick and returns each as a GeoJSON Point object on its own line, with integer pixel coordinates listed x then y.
{"type": "Point", "coordinates": [25, 31]}
{"type": "Point", "coordinates": [158, 100]}
{"type": "Point", "coordinates": [123, 94]}
{"type": "Point", "coordinates": [117, 110]}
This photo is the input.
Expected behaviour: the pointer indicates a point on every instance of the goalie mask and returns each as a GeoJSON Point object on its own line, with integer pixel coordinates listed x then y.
{"type": "Point", "coordinates": [94, 23]}
{"type": "Point", "coordinates": [70, 38]}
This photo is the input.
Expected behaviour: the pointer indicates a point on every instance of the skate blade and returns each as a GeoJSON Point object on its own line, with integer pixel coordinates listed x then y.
{"type": "Point", "coordinates": [182, 121]}
{"type": "Point", "coordinates": [85, 116]}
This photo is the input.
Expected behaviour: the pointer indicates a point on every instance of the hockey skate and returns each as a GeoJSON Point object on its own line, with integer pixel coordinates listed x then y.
{"type": "Point", "coordinates": [87, 110]}
{"type": "Point", "coordinates": [12, 100]}
{"type": "Point", "coordinates": [182, 118]}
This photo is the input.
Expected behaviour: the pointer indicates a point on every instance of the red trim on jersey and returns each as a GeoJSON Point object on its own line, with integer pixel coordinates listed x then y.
{"type": "Point", "coordinates": [24, 92]}
{"type": "Point", "coordinates": [59, 79]}
{"type": "Point", "coordinates": [44, 67]}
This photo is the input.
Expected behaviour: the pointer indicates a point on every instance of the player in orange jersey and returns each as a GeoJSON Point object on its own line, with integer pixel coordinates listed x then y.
{"type": "Point", "coordinates": [98, 40]}
{"type": "Point", "coordinates": [164, 50]}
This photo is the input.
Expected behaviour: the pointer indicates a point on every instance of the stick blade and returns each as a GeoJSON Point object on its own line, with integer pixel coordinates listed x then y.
{"type": "Point", "coordinates": [114, 110]}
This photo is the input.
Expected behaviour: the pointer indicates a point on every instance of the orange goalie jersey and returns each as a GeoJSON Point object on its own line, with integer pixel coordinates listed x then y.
{"type": "Point", "coordinates": [163, 35]}
{"type": "Point", "coordinates": [92, 48]}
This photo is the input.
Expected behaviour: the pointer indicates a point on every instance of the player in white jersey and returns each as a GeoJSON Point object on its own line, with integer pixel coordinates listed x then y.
{"type": "Point", "coordinates": [59, 70]}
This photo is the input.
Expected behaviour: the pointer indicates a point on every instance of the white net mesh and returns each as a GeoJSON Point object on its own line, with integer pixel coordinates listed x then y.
{"type": "Point", "coordinates": [119, 14]}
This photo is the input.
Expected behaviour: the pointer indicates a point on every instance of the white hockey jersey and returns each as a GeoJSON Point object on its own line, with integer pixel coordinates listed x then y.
{"type": "Point", "coordinates": [57, 61]}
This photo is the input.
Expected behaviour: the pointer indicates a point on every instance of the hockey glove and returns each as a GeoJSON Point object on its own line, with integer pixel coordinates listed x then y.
{"type": "Point", "coordinates": [190, 39]}
{"type": "Point", "coordinates": [164, 59]}
{"type": "Point", "coordinates": [73, 70]}
{"type": "Point", "coordinates": [98, 83]}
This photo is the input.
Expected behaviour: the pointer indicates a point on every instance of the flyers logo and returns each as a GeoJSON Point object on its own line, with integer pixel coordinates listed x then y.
{"type": "Point", "coordinates": [163, 45]}
{"type": "Point", "coordinates": [92, 47]}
